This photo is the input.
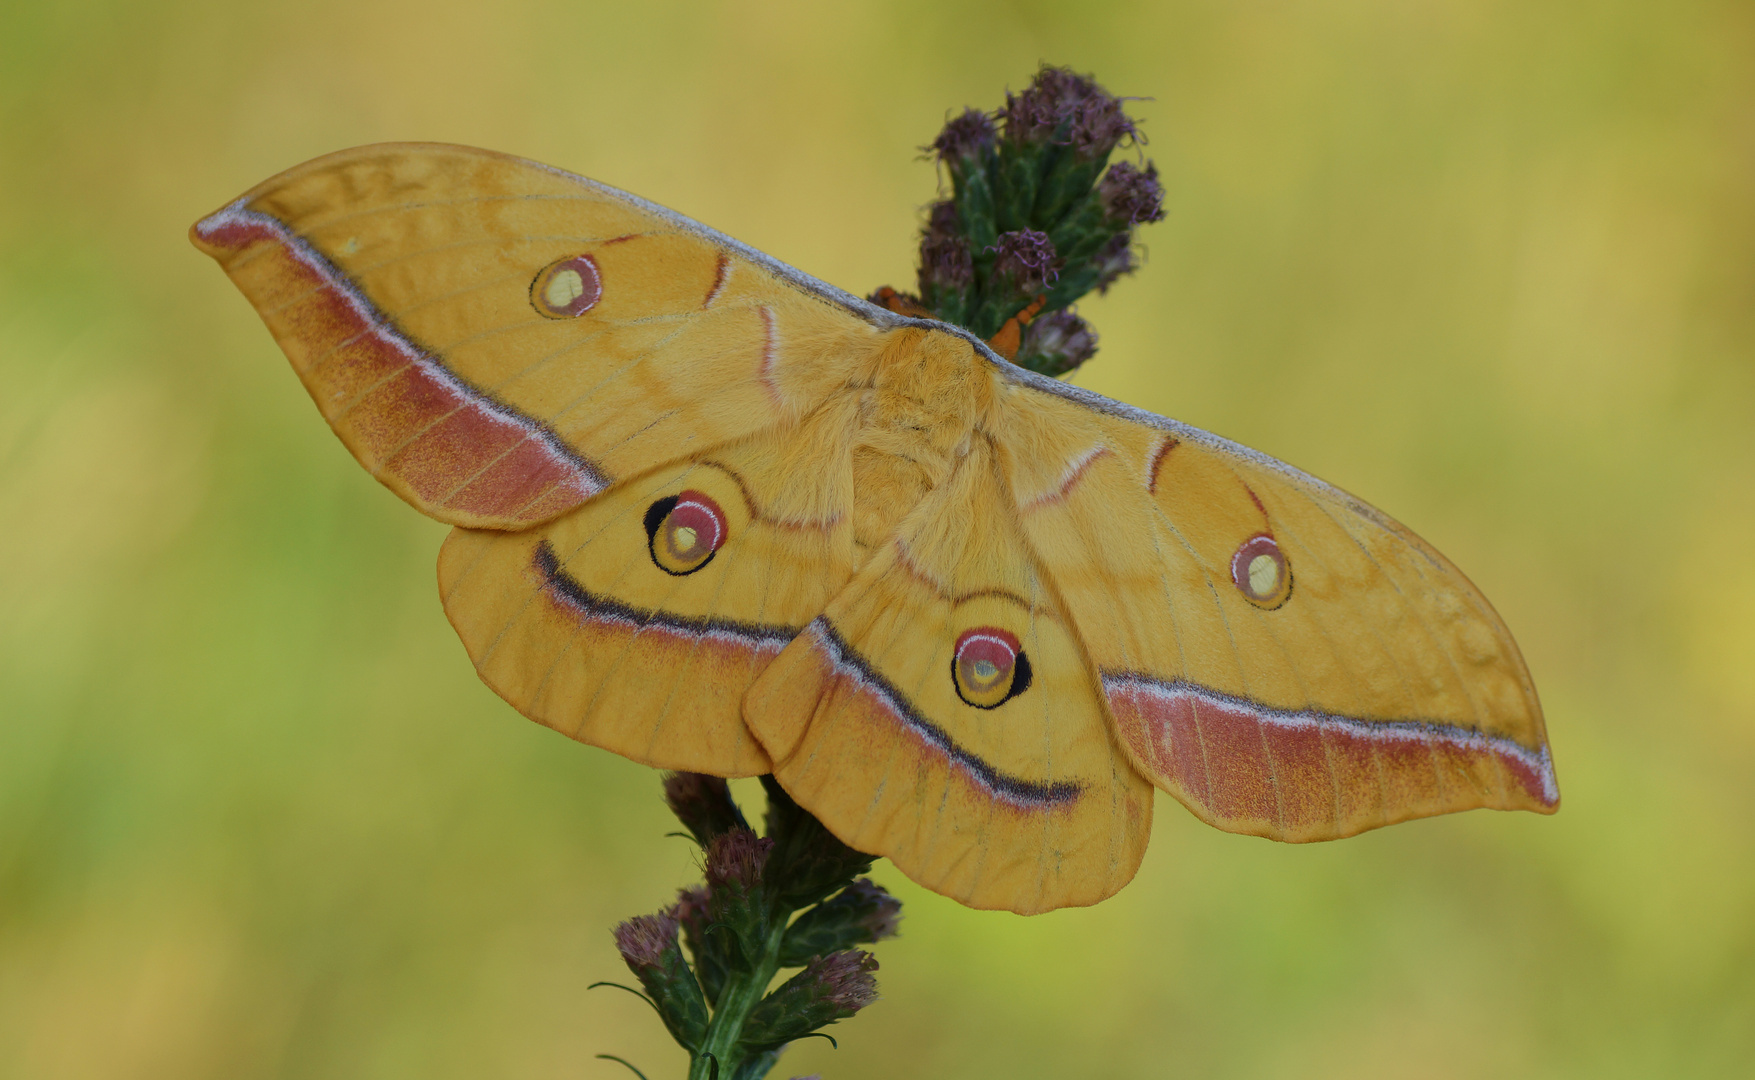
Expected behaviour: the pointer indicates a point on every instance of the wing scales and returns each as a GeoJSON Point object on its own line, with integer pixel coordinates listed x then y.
{"type": "Point", "coordinates": [1026, 804]}
{"type": "Point", "coordinates": [578, 625]}
{"type": "Point", "coordinates": [1383, 688]}
{"type": "Point", "coordinates": [398, 279]}
{"type": "Point", "coordinates": [887, 505]}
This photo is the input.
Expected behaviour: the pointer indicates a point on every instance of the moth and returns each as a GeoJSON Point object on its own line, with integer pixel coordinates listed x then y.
{"type": "Point", "coordinates": [716, 515]}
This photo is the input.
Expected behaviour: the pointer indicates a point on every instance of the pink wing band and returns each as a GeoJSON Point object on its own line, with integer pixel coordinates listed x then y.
{"type": "Point", "coordinates": [1312, 775]}
{"type": "Point", "coordinates": [398, 407]}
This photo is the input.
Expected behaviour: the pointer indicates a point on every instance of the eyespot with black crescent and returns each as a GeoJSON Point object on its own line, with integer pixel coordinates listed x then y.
{"type": "Point", "coordinates": [684, 532]}
{"type": "Point", "coordinates": [988, 667]}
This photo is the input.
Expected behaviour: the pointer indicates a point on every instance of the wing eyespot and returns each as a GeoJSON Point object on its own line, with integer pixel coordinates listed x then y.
{"type": "Point", "coordinates": [988, 667]}
{"type": "Point", "coordinates": [567, 288]}
{"type": "Point", "coordinates": [684, 532]}
{"type": "Point", "coordinates": [1261, 573]}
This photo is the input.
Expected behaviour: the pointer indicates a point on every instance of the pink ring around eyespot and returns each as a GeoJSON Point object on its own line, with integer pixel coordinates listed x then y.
{"type": "Point", "coordinates": [1249, 551]}
{"type": "Point", "coordinates": [989, 667]}
{"type": "Point", "coordinates": [996, 646]}
{"type": "Point", "coordinates": [699, 512]}
{"type": "Point", "coordinates": [590, 288]}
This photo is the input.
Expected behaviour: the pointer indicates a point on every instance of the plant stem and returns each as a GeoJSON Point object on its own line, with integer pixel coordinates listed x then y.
{"type": "Point", "coordinates": [743, 992]}
{"type": "Point", "coordinates": [740, 929]}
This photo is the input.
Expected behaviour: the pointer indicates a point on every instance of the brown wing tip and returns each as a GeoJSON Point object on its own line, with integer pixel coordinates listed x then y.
{"type": "Point", "coordinates": [225, 232]}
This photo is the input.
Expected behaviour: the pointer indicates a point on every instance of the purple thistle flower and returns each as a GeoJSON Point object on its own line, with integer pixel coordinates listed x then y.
{"type": "Point", "coordinates": [1027, 258]}
{"type": "Point", "coordinates": [644, 939]}
{"type": "Point", "coordinates": [964, 138]}
{"type": "Point", "coordinates": [736, 859]}
{"type": "Point", "coordinates": [1131, 195]}
{"type": "Point", "coordinates": [1056, 96]}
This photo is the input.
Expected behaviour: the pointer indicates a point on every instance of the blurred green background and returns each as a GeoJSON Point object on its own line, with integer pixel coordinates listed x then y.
{"type": "Point", "coordinates": [1488, 263]}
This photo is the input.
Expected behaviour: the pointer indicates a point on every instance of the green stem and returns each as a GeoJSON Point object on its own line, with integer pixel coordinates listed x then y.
{"type": "Point", "coordinates": [743, 992]}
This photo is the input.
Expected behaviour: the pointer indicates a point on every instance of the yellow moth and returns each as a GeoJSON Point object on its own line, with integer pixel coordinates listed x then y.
{"type": "Point", "coordinates": [715, 515]}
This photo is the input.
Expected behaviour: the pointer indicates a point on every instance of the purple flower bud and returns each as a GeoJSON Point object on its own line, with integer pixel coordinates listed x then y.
{"type": "Point", "coordinates": [945, 264]}
{"type": "Point", "coordinates": [964, 138]}
{"type": "Point", "coordinates": [702, 803]}
{"type": "Point", "coordinates": [644, 939]}
{"type": "Point", "coordinates": [648, 945]}
{"type": "Point", "coordinates": [1100, 127]}
{"type": "Point", "coordinates": [1096, 122]}
{"type": "Point", "coordinates": [1114, 260]}
{"type": "Point", "coordinates": [1057, 343]}
{"type": "Point", "coordinates": [880, 913]}
{"type": "Point", "coordinates": [1064, 332]}
{"type": "Point", "coordinates": [1037, 113]}
{"type": "Point", "coordinates": [1131, 196]}
{"type": "Point", "coordinates": [736, 859]}
{"type": "Point", "coordinates": [1026, 258]}
{"type": "Point", "coordinates": [843, 981]}
{"type": "Point", "coordinates": [830, 988]}
{"type": "Point", "coordinates": [690, 909]}
{"type": "Point", "coordinates": [942, 220]}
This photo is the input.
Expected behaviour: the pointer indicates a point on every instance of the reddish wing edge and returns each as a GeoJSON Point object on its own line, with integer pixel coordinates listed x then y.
{"type": "Point", "coordinates": [1299, 774]}
{"type": "Point", "coordinates": [445, 446]}
{"type": "Point", "coordinates": [1306, 775]}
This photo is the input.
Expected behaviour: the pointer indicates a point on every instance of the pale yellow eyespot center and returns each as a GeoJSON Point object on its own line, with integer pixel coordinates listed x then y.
{"type": "Point", "coordinates": [1264, 575]}
{"type": "Point", "coordinates": [985, 670]}
{"type": "Point", "coordinates": [685, 538]}
{"type": "Point", "coordinates": [563, 288]}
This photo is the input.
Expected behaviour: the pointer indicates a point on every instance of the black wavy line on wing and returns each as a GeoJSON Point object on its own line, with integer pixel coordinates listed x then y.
{"type": "Point", "coordinates": [1015, 788]}
{"type": "Point", "coordinates": [604, 608]}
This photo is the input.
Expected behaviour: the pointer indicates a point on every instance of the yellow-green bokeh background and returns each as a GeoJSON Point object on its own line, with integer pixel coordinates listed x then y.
{"type": "Point", "coordinates": [1488, 263]}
